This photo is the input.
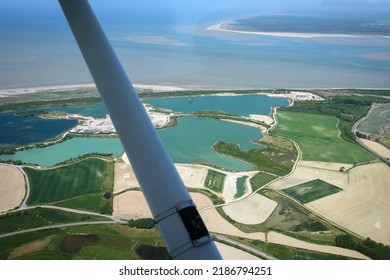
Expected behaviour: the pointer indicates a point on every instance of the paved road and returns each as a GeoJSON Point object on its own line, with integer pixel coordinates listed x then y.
{"type": "Point", "coordinates": [27, 184]}
{"type": "Point", "coordinates": [245, 247]}
{"type": "Point", "coordinates": [114, 219]}
{"type": "Point", "coordinates": [54, 227]}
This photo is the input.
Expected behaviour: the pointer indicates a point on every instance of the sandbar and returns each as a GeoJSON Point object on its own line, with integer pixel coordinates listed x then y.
{"type": "Point", "coordinates": [222, 27]}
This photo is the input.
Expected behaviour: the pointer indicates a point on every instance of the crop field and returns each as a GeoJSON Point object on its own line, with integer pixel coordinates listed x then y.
{"type": "Point", "coordinates": [261, 179]}
{"type": "Point", "coordinates": [318, 138]}
{"type": "Point", "coordinates": [215, 181]}
{"type": "Point", "coordinates": [362, 206]}
{"type": "Point", "coordinates": [310, 191]}
{"type": "Point", "coordinates": [12, 188]}
{"type": "Point", "coordinates": [104, 242]}
{"type": "Point", "coordinates": [254, 210]}
{"type": "Point", "coordinates": [37, 217]}
{"type": "Point", "coordinates": [73, 185]}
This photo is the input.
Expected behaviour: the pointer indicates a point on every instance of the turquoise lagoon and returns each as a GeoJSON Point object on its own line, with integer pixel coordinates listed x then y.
{"type": "Point", "coordinates": [190, 141]}
{"type": "Point", "coordinates": [68, 149]}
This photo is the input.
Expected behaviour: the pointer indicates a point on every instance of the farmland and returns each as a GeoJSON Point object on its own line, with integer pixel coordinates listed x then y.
{"type": "Point", "coordinates": [85, 242]}
{"type": "Point", "coordinates": [12, 187]}
{"type": "Point", "coordinates": [361, 207]}
{"type": "Point", "coordinates": [254, 210]}
{"type": "Point", "coordinates": [215, 181]}
{"type": "Point", "coordinates": [32, 218]}
{"type": "Point", "coordinates": [318, 138]}
{"type": "Point", "coordinates": [80, 185]}
{"type": "Point", "coordinates": [268, 215]}
{"type": "Point", "coordinates": [261, 179]}
{"type": "Point", "coordinates": [311, 191]}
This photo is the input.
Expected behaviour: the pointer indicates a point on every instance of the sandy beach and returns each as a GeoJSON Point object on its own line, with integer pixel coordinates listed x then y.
{"type": "Point", "coordinates": [223, 27]}
{"type": "Point", "coordinates": [31, 90]}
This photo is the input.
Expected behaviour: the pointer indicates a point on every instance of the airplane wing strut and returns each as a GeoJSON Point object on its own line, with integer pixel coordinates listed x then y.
{"type": "Point", "coordinates": [177, 218]}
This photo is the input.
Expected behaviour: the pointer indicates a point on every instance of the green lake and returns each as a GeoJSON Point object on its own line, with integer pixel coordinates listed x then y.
{"type": "Point", "coordinates": [190, 141]}
{"type": "Point", "coordinates": [68, 149]}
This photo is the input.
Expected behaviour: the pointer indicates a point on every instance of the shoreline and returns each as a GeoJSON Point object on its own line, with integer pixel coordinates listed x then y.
{"type": "Point", "coordinates": [9, 92]}
{"type": "Point", "coordinates": [220, 27]}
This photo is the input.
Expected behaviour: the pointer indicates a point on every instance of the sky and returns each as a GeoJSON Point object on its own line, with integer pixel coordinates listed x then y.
{"type": "Point", "coordinates": [38, 48]}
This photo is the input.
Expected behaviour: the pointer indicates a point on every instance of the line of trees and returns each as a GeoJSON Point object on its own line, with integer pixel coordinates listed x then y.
{"type": "Point", "coordinates": [146, 223]}
{"type": "Point", "coordinates": [368, 247]}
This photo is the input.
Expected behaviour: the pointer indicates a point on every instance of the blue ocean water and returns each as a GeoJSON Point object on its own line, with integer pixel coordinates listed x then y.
{"type": "Point", "coordinates": [169, 44]}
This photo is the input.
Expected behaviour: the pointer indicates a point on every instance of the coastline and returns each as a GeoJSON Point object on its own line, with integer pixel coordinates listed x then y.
{"type": "Point", "coordinates": [277, 95]}
{"type": "Point", "coordinates": [29, 90]}
{"type": "Point", "coordinates": [17, 91]}
{"type": "Point", "coordinates": [222, 27]}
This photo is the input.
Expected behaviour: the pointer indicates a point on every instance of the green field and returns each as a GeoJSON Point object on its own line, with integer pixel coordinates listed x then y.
{"type": "Point", "coordinates": [79, 185]}
{"type": "Point", "coordinates": [261, 179]}
{"type": "Point", "coordinates": [215, 181]}
{"type": "Point", "coordinates": [310, 191]}
{"type": "Point", "coordinates": [318, 137]}
{"type": "Point", "coordinates": [38, 217]}
{"type": "Point", "coordinates": [272, 159]}
{"type": "Point", "coordinates": [102, 242]}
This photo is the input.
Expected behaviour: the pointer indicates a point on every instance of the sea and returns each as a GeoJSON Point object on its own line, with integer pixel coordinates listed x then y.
{"type": "Point", "coordinates": [170, 44]}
